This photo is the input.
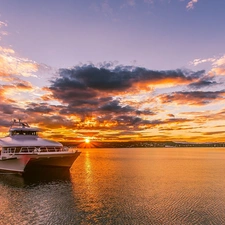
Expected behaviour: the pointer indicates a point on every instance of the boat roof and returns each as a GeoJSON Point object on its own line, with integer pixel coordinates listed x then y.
{"type": "Point", "coordinates": [24, 129]}
{"type": "Point", "coordinates": [21, 141]}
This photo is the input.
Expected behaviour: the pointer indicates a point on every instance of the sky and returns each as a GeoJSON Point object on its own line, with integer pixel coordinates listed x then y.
{"type": "Point", "coordinates": [114, 70]}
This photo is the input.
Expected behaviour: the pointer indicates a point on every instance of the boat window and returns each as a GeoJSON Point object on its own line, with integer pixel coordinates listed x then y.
{"type": "Point", "coordinates": [22, 132]}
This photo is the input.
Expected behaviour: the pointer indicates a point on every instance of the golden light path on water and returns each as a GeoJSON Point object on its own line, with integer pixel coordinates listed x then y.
{"type": "Point", "coordinates": [152, 186]}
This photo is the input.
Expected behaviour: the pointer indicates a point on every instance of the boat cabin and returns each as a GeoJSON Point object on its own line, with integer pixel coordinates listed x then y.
{"type": "Point", "coordinates": [22, 128]}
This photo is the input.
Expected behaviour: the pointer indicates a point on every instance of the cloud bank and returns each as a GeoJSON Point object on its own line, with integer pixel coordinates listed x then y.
{"type": "Point", "coordinates": [108, 100]}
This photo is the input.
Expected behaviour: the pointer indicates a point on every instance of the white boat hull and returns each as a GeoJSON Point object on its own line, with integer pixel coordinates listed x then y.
{"type": "Point", "coordinates": [12, 165]}
{"type": "Point", "coordinates": [24, 162]}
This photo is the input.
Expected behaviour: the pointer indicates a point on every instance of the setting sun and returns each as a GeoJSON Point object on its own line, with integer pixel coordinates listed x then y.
{"type": "Point", "coordinates": [87, 140]}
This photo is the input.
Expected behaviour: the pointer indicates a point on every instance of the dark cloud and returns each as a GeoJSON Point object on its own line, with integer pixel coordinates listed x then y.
{"type": "Point", "coordinates": [52, 121]}
{"type": "Point", "coordinates": [180, 75]}
{"type": "Point", "coordinates": [214, 132]}
{"type": "Point", "coordinates": [129, 120]}
{"type": "Point", "coordinates": [39, 108]}
{"type": "Point", "coordinates": [7, 109]}
{"type": "Point", "coordinates": [19, 85]}
{"type": "Point", "coordinates": [176, 120]}
{"type": "Point", "coordinates": [204, 82]}
{"type": "Point", "coordinates": [137, 121]}
{"type": "Point", "coordinates": [127, 133]}
{"type": "Point", "coordinates": [192, 98]}
{"type": "Point", "coordinates": [88, 81]}
{"type": "Point", "coordinates": [198, 74]}
{"type": "Point", "coordinates": [89, 90]}
{"type": "Point", "coordinates": [83, 111]}
{"type": "Point", "coordinates": [89, 76]}
{"type": "Point", "coordinates": [24, 85]}
{"type": "Point", "coordinates": [5, 122]}
{"type": "Point", "coordinates": [85, 106]}
{"type": "Point", "coordinates": [145, 112]}
{"type": "Point", "coordinates": [170, 115]}
{"type": "Point", "coordinates": [114, 106]}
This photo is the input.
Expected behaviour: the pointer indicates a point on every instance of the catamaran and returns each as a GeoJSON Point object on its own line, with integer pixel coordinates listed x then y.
{"type": "Point", "coordinates": [23, 150]}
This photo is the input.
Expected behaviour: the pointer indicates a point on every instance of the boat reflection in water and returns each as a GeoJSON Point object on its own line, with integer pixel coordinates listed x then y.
{"type": "Point", "coordinates": [35, 177]}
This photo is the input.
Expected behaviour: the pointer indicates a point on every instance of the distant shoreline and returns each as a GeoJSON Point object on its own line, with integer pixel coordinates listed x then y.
{"type": "Point", "coordinates": [141, 144]}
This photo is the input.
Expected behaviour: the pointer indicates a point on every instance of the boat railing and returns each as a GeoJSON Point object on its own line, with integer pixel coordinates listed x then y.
{"type": "Point", "coordinates": [34, 150]}
{"type": "Point", "coordinates": [43, 149]}
{"type": "Point", "coordinates": [10, 151]}
{"type": "Point", "coordinates": [27, 149]}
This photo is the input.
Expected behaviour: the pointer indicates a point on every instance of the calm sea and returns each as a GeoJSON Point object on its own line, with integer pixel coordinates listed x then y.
{"type": "Point", "coordinates": [122, 186]}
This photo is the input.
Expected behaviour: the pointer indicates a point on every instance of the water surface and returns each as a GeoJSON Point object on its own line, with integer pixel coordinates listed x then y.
{"type": "Point", "coordinates": [122, 186]}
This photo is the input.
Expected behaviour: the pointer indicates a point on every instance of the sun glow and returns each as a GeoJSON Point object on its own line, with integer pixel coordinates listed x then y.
{"type": "Point", "coordinates": [87, 141]}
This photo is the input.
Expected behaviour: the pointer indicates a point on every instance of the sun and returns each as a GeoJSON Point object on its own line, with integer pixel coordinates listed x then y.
{"type": "Point", "coordinates": [87, 141]}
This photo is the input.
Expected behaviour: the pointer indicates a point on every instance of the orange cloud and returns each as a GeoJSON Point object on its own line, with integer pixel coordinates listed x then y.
{"type": "Point", "coordinates": [220, 61]}
{"type": "Point", "coordinates": [218, 71]}
{"type": "Point", "coordinates": [11, 65]}
{"type": "Point", "coordinates": [219, 66]}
